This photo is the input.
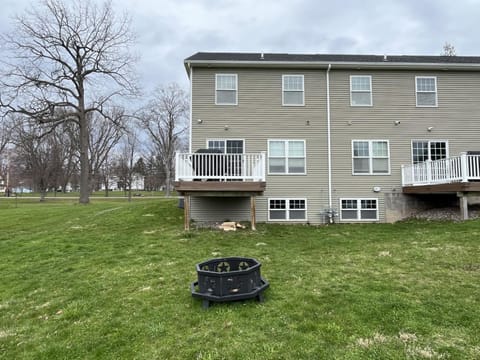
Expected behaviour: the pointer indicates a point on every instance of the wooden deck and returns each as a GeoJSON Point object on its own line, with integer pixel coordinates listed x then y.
{"type": "Point", "coordinates": [220, 188]}
{"type": "Point", "coordinates": [450, 188]}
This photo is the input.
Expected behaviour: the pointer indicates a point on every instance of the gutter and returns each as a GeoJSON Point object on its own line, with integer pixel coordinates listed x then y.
{"type": "Point", "coordinates": [339, 64]}
{"type": "Point", "coordinates": [329, 145]}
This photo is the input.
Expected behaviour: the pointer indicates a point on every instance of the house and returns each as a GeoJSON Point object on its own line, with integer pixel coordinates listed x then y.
{"type": "Point", "coordinates": [318, 138]}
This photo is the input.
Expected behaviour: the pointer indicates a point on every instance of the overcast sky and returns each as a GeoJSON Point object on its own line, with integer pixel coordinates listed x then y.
{"type": "Point", "coordinates": [170, 31]}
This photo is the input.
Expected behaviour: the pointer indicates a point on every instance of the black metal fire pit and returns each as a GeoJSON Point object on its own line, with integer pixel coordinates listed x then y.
{"type": "Point", "coordinates": [228, 279]}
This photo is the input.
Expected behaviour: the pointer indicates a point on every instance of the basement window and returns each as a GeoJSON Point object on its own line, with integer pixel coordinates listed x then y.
{"type": "Point", "coordinates": [359, 209]}
{"type": "Point", "coordinates": [287, 209]}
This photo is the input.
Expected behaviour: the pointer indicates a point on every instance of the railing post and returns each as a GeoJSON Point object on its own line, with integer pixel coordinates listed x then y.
{"type": "Point", "coordinates": [264, 165]}
{"type": "Point", "coordinates": [403, 175]}
{"type": "Point", "coordinates": [464, 166]}
{"type": "Point", "coordinates": [428, 165]}
{"type": "Point", "coordinates": [177, 165]}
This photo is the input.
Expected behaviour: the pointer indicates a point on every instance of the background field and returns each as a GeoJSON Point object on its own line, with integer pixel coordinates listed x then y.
{"type": "Point", "coordinates": [111, 280]}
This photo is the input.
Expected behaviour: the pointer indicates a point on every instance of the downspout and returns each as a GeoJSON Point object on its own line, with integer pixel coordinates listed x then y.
{"type": "Point", "coordinates": [329, 145]}
{"type": "Point", "coordinates": [191, 106]}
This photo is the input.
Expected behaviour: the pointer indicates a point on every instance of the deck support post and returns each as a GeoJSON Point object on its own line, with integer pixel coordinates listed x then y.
{"type": "Point", "coordinates": [463, 198]}
{"type": "Point", "coordinates": [186, 211]}
{"type": "Point", "coordinates": [253, 212]}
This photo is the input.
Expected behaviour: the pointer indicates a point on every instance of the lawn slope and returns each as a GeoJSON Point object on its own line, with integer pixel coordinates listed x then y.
{"type": "Point", "coordinates": [111, 280]}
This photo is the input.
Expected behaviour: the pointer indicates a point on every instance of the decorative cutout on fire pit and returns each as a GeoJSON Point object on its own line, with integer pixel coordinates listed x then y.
{"type": "Point", "coordinates": [243, 265]}
{"type": "Point", "coordinates": [228, 279]}
{"type": "Point", "coordinates": [224, 266]}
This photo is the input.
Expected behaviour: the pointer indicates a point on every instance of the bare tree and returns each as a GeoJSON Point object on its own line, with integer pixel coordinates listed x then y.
{"type": "Point", "coordinates": [126, 160]}
{"type": "Point", "coordinates": [104, 136]}
{"type": "Point", "coordinates": [5, 132]}
{"type": "Point", "coordinates": [40, 152]}
{"type": "Point", "coordinates": [448, 50]}
{"type": "Point", "coordinates": [68, 60]}
{"type": "Point", "coordinates": [165, 120]}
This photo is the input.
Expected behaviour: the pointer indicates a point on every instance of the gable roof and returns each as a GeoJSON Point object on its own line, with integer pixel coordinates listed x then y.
{"type": "Point", "coordinates": [223, 59]}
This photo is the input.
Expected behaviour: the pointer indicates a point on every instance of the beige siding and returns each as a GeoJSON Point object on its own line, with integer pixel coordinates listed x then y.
{"type": "Point", "coordinates": [455, 119]}
{"type": "Point", "coordinates": [260, 116]}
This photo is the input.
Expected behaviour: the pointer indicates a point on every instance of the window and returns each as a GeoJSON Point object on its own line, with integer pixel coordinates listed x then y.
{"type": "Point", "coordinates": [361, 90]}
{"type": "Point", "coordinates": [226, 89]}
{"type": "Point", "coordinates": [423, 150]}
{"type": "Point", "coordinates": [426, 91]}
{"type": "Point", "coordinates": [359, 209]}
{"type": "Point", "coordinates": [230, 165]}
{"type": "Point", "coordinates": [226, 146]}
{"type": "Point", "coordinates": [293, 90]}
{"type": "Point", "coordinates": [370, 157]}
{"type": "Point", "coordinates": [286, 156]}
{"type": "Point", "coordinates": [287, 209]}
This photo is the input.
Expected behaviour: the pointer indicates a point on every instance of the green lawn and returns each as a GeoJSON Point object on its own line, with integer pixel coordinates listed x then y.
{"type": "Point", "coordinates": [111, 281]}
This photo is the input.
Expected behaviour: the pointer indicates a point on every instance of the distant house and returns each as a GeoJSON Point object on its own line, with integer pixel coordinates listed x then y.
{"type": "Point", "coordinates": [311, 138]}
{"type": "Point", "coordinates": [115, 183]}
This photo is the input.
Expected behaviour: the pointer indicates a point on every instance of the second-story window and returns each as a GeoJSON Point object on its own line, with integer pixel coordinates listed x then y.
{"type": "Point", "coordinates": [360, 90]}
{"type": "Point", "coordinates": [370, 157]}
{"type": "Point", "coordinates": [286, 156]}
{"type": "Point", "coordinates": [293, 90]}
{"type": "Point", "coordinates": [426, 91]}
{"type": "Point", "coordinates": [226, 87]}
{"type": "Point", "coordinates": [423, 150]}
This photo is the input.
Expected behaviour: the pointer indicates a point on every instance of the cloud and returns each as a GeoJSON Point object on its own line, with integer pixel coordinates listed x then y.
{"type": "Point", "coordinates": [169, 31]}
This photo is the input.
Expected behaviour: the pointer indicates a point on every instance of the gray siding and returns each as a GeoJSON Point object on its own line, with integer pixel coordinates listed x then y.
{"type": "Point", "coordinates": [209, 209]}
{"type": "Point", "coordinates": [260, 116]}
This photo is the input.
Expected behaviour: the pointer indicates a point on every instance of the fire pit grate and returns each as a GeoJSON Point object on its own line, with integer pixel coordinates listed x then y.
{"type": "Point", "coordinates": [228, 279]}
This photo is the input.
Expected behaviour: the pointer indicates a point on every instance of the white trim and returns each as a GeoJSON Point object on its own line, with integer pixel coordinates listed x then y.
{"type": "Point", "coordinates": [302, 91]}
{"type": "Point", "coordinates": [236, 89]}
{"type": "Point", "coordinates": [359, 209]}
{"type": "Point", "coordinates": [286, 157]}
{"type": "Point", "coordinates": [287, 209]}
{"type": "Point", "coordinates": [426, 92]}
{"type": "Point", "coordinates": [370, 158]}
{"type": "Point", "coordinates": [361, 91]}
{"type": "Point", "coordinates": [447, 150]}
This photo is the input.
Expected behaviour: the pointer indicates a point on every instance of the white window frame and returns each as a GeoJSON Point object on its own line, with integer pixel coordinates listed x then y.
{"type": "Point", "coordinates": [361, 91]}
{"type": "Point", "coordinates": [224, 140]}
{"type": "Point", "coordinates": [217, 89]}
{"type": "Point", "coordinates": [302, 91]}
{"type": "Point", "coordinates": [371, 157]}
{"type": "Point", "coordinates": [287, 157]}
{"type": "Point", "coordinates": [426, 92]}
{"type": "Point", "coordinates": [287, 209]}
{"type": "Point", "coordinates": [359, 209]}
{"type": "Point", "coordinates": [429, 141]}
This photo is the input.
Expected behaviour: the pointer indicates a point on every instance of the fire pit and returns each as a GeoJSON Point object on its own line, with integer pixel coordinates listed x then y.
{"type": "Point", "coordinates": [228, 279]}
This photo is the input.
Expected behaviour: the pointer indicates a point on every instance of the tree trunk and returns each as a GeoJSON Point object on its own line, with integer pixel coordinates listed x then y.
{"type": "Point", "coordinates": [84, 165]}
{"type": "Point", "coordinates": [167, 181]}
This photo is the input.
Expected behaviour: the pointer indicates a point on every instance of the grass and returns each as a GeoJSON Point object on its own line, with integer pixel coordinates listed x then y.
{"type": "Point", "coordinates": [111, 280]}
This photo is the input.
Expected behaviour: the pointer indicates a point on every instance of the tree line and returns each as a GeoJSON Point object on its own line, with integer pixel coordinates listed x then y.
{"type": "Point", "coordinates": [67, 83]}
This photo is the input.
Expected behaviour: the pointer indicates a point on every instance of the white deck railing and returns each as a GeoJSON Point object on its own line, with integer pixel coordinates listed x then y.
{"type": "Point", "coordinates": [461, 168]}
{"type": "Point", "coordinates": [223, 167]}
